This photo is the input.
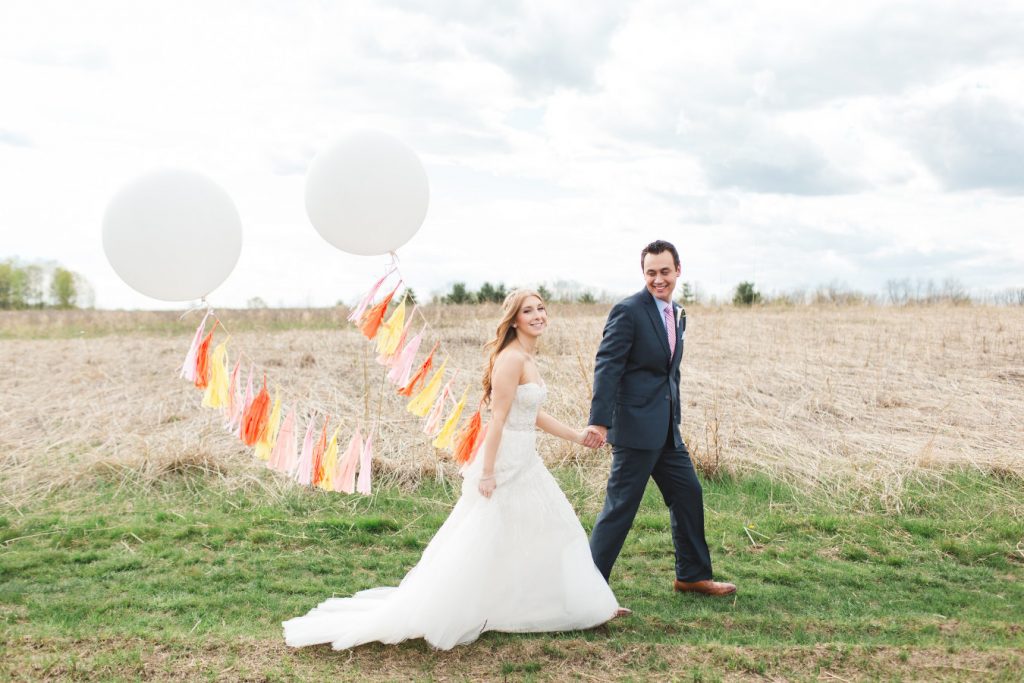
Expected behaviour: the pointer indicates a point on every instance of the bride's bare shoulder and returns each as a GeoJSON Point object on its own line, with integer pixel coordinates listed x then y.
{"type": "Point", "coordinates": [509, 358]}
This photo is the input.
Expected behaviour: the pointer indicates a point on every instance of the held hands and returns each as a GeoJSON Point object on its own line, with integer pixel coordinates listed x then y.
{"type": "Point", "coordinates": [594, 436]}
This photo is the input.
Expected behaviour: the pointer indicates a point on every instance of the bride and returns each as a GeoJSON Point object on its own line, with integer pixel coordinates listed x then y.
{"type": "Point", "coordinates": [512, 555]}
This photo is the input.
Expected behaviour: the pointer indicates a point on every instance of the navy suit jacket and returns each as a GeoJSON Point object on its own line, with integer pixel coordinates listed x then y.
{"type": "Point", "coordinates": [636, 384]}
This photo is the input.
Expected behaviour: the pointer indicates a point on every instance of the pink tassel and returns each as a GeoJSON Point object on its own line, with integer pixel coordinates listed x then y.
{"type": "Point", "coordinates": [282, 458]}
{"type": "Point", "coordinates": [230, 408]}
{"type": "Point", "coordinates": [402, 369]}
{"type": "Point", "coordinates": [304, 468]}
{"type": "Point", "coordinates": [365, 460]}
{"type": "Point", "coordinates": [433, 424]}
{"type": "Point", "coordinates": [346, 481]}
{"type": "Point", "coordinates": [243, 407]}
{"type": "Point", "coordinates": [361, 307]}
{"type": "Point", "coordinates": [188, 368]}
{"type": "Point", "coordinates": [396, 357]}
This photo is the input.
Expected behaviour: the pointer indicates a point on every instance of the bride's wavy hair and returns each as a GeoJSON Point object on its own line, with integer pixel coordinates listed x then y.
{"type": "Point", "coordinates": [504, 334]}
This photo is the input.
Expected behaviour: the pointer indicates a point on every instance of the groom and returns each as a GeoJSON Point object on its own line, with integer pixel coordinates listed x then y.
{"type": "Point", "coordinates": [636, 409]}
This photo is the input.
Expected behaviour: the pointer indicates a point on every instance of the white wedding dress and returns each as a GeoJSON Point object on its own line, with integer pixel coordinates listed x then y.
{"type": "Point", "coordinates": [517, 562]}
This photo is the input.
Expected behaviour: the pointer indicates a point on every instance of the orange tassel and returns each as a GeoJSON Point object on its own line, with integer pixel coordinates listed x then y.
{"type": "Point", "coordinates": [409, 388]}
{"type": "Point", "coordinates": [318, 455]}
{"type": "Point", "coordinates": [254, 422]}
{"type": "Point", "coordinates": [476, 447]}
{"type": "Point", "coordinates": [465, 442]}
{"type": "Point", "coordinates": [375, 316]}
{"type": "Point", "coordinates": [203, 359]}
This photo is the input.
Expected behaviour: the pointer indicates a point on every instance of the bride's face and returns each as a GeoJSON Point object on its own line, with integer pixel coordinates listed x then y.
{"type": "Point", "coordinates": [532, 317]}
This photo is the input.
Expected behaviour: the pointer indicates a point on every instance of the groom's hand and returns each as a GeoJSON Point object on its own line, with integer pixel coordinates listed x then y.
{"type": "Point", "coordinates": [594, 436]}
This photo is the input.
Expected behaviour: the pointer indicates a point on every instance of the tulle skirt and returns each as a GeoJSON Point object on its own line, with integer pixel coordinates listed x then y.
{"type": "Point", "coordinates": [517, 562]}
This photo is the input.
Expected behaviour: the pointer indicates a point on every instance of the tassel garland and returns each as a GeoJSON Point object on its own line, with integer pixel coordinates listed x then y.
{"type": "Point", "coordinates": [466, 441]}
{"type": "Point", "coordinates": [410, 386]}
{"type": "Point", "coordinates": [330, 467]}
{"type": "Point", "coordinates": [318, 455]}
{"type": "Point", "coordinates": [433, 423]}
{"type": "Point", "coordinates": [444, 438]}
{"type": "Point", "coordinates": [421, 403]}
{"type": "Point", "coordinates": [303, 467]}
{"type": "Point", "coordinates": [346, 482]}
{"type": "Point", "coordinates": [282, 458]}
{"type": "Point", "coordinates": [402, 367]}
{"type": "Point", "coordinates": [255, 420]}
{"type": "Point", "coordinates": [391, 332]}
{"type": "Point", "coordinates": [371, 322]}
{"type": "Point", "coordinates": [203, 360]}
{"type": "Point", "coordinates": [188, 368]}
{"type": "Point", "coordinates": [365, 463]}
{"type": "Point", "coordinates": [243, 406]}
{"type": "Point", "coordinates": [265, 444]}
{"type": "Point", "coordinates": [230, 408]}
{"type": "Point", "coordinates": [216, 394]}
{"type": "Point", "coordinates": [357, 312]}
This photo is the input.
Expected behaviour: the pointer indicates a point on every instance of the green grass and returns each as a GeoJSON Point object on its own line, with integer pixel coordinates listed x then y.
{"type": "Point", "coordinates": [188, 566]}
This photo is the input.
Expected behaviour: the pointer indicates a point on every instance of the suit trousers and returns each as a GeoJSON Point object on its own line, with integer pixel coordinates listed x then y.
{"type": "Point", "coordinates": [676, 479]}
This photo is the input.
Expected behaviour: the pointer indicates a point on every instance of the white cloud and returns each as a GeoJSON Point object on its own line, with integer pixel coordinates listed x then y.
{"type": "Point", "coordinates": [773, 141]}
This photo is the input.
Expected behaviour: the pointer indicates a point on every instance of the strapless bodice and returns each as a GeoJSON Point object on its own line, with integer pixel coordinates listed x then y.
{"type": "Point", "coordinates": [522, 416]}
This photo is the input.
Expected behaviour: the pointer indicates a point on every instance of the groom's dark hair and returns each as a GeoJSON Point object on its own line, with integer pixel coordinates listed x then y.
{"type": "Point", "coordinates": [657, 247]}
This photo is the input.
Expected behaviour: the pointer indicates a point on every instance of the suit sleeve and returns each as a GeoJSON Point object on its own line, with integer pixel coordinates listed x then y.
{"type": "Point", "coordinates": [610, 364]}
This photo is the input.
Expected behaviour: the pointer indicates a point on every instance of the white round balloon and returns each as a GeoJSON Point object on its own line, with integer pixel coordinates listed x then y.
{"type": "Point", "coordinates": [173, 235]}
{"type": "Point", "coordinates": [367, 193]}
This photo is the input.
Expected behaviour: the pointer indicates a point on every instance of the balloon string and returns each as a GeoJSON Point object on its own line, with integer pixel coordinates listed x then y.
{"type": "Point", "coordinates": [202, 305]}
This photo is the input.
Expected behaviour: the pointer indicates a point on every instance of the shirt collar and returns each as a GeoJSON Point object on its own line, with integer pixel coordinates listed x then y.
{"type": "Point", "coordinates": [662, 305]}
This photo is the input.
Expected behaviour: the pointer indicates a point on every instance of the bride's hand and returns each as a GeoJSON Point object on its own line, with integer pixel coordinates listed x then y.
{"type": "Point", "coordinates": [486, 486]}
{"type": "Point", "coordinates": [591, 437]}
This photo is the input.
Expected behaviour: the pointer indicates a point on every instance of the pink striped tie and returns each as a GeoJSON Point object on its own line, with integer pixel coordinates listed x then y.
{"type": "Point", "coordinates": [670, 324]}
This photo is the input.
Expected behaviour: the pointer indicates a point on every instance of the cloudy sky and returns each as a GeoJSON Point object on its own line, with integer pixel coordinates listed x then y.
{"type": "Point", "coordinates": [779, 142]}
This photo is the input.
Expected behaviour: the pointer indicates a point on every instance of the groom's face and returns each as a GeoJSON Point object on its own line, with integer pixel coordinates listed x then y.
{"type": "Point", "coordinates": [661, 273]}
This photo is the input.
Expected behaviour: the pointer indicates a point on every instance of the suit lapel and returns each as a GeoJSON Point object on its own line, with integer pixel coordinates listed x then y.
{"type": "Point", "coordinates": [654, 313]}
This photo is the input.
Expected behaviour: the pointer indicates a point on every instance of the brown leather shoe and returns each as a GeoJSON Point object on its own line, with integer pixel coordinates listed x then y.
{"type": "Point", "coordinates": [706, 587]}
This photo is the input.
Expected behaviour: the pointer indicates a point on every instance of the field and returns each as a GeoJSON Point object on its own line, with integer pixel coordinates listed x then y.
{"type": "Point", "coordinates": [862, 466]}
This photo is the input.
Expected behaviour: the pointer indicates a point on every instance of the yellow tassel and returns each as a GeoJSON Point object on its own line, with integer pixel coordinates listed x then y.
{"type": "Point", "coordinates": [421, 402]}
{"type": "Point", "coordinates": [444, 438]}
{"type": "Point", "coordinates": [266, 443]}
{"type": "Point", "coordinates": [330, 462]}
{"type": "Point", "coordinates": [391, 331]}
{"type": "Point", "coordinates": [216, 393]}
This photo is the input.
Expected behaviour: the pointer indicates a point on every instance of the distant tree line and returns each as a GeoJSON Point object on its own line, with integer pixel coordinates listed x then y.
{"type": "Point", "coordinates": [34, 285]}
{"type": "Point", "coordinates": [903, 292]}
{"type": "Point", "coordinates": [460, 293]}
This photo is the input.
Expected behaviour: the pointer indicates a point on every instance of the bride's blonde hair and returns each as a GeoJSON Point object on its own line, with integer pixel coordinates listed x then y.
{"type": "Point", "coordinates": [505, 333]}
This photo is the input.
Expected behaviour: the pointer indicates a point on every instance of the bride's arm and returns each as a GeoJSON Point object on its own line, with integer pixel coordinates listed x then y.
{"type": "Point", "coordinates": [556, 428]}
{"type": "Point", "coordinates": [504, 380]}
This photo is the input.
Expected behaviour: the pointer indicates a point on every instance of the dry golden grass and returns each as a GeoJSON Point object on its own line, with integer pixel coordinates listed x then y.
{"type": "Point", "coordinates": [825, 397]}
